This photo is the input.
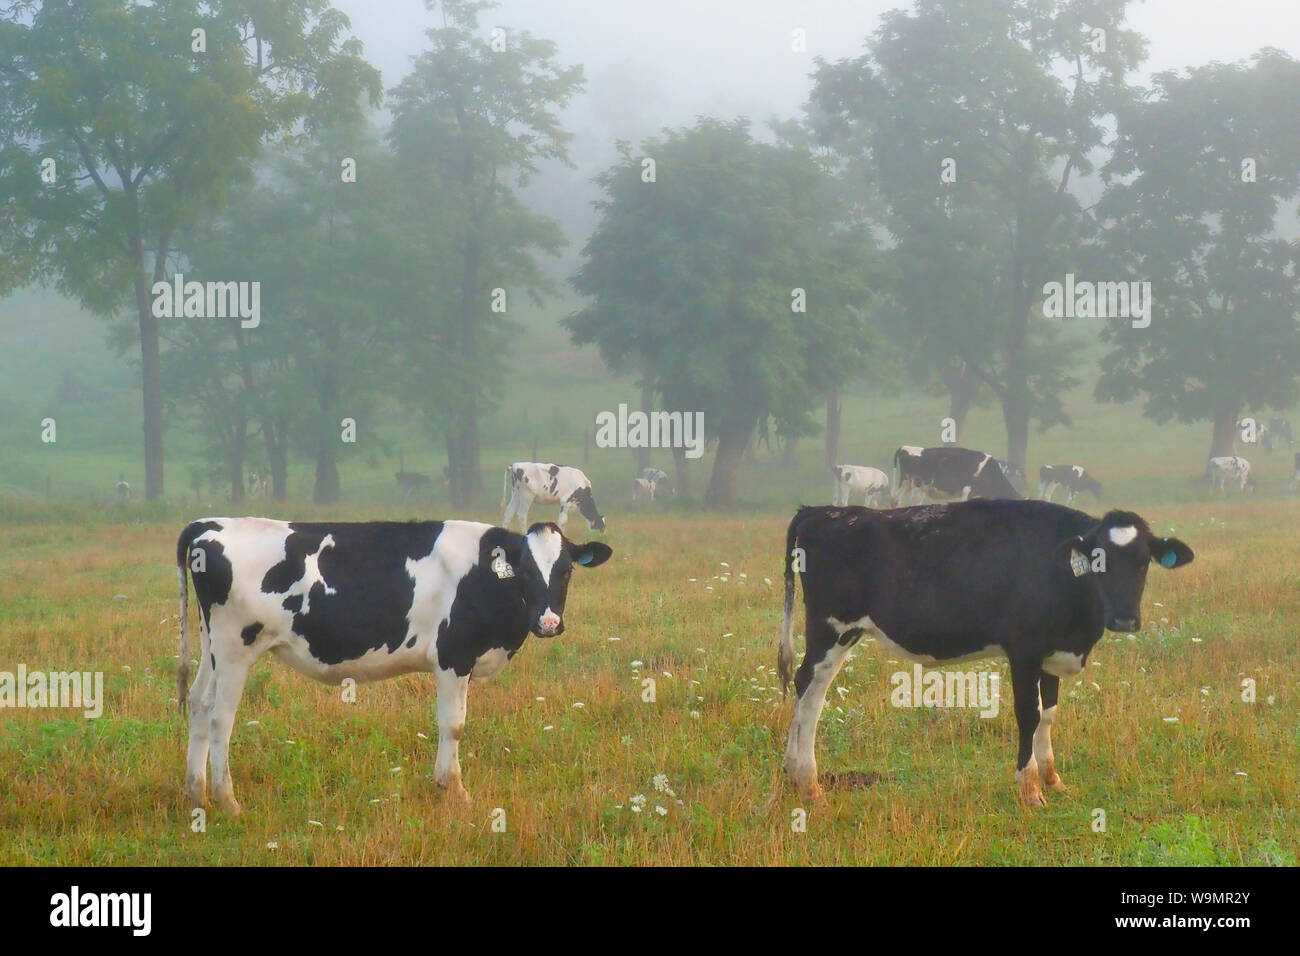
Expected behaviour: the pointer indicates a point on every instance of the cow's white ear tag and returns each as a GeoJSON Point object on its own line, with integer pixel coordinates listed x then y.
{"type": "Point", "coordinates": [1078, 563]}
{"type": "Point", "coordinates": [500, 566]}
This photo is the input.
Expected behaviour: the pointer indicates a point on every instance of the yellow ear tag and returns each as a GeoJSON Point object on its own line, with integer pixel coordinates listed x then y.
{"type": "Point", "coordinates": [1078, 563]}
{"type": "Point", "coordinates": [500, 566]}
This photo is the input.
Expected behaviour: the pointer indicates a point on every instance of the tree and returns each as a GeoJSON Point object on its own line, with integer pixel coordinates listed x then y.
{"type": "Point", "coordinates": [473, 120]}
{"type": "Point", "coordinates": [1202, 169]}
{"type": "Point", "coordinates": [122, 123]}
{"type": "Point", "coordinates": [327, 256]}
{"type": "Point", "coordinates": [963, 113]}
{"type": "Point", "coordinates": [697, 279]}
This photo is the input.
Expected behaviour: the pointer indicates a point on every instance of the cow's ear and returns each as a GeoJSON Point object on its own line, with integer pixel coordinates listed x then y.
{"type": "Point", "coordinates": [1072, 556]}
{"type": "Point", "coordinates": [590, 554]}
{"type": "Point", "coordinates": [1170, 552]}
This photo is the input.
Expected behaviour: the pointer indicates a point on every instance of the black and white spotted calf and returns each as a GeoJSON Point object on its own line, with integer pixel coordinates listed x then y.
{"type": "Point", "coordinates": [364, 601]}
{"type": "Point", "coordinates": [529, 481]}
{"type": "Point", "coordinates": [961, 581]}
{"type": "Point", "coordinates": [948, 470]}
{"type": "Point", "coordinates": [1073, 478]}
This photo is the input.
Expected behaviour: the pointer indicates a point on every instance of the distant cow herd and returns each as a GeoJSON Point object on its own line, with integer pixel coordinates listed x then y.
{"type": "Point", "coordinates": [989, 574]}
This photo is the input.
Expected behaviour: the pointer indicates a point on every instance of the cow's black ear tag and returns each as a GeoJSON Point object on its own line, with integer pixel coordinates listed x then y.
{"type": "Point", "coordinates": [1078, 563]}
{"type": "Point", "coordinates": [500, 566]}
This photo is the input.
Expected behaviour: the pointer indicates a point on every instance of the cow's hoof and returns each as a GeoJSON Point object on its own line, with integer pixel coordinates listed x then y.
{"type": "Point", "coordinates": [1052, 781]}
{"type": "Point", "coordinates": [457, 793]}
{"type": "Point", "coordinates": [1031, 794]}
{"type": "Point", "coordinates": [196, 799]}
{"type": "Point", "coordinates": [231, 806]}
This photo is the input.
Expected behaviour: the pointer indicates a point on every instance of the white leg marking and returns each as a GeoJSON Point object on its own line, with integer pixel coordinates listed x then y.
{"type": "Point", "coordinates": [800, 748]}
{"type": "Point", "coordinates": [452, 705]}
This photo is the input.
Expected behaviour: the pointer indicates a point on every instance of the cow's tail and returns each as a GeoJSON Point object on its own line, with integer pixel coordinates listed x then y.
{"type": "Point", "coordinates": [785, 648]}
{"type": "Point", "coordinates": [183, 545]}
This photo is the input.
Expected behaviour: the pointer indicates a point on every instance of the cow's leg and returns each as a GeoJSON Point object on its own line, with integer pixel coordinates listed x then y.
{"type": "Point", "coordinates": [821, 663]}
{"type": "Point", "coordinates": [1048, 687]}
{"type": "Point", "coordinates": [1024, 687]}
{"type": "Point", "coordinates": [510, 511]}
{"type": "Point", "coordinates": [200, 704]}
{"type": "Point", "coordinates": [229, 674]}
{"type": "Point", "coordinates": [453, 692]}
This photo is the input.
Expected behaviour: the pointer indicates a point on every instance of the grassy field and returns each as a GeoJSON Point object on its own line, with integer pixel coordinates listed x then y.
{"type": "Point", "coordinates": [562, 741]}
{"type": "Point", "coordinates": [1155, 733]}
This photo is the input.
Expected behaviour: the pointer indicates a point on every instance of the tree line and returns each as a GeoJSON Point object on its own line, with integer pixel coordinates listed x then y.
{"type": "Point", "coordinates": [903, 227]}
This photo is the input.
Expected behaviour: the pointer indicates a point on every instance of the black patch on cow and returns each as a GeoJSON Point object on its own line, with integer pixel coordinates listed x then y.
{"type": "Point", "coordinates": [853, 634]}
{"type": "Point", "coordinates": [586, 504]}
{"type": "Point", "coordinates": [365, 597]}
{"type": "Point", "coordinates": [411, 642]}
{"type": "Point", "coordinates": [214, 660]}
{"type": "Point", "coordinates": [211, 585]}
{"type": "Point", "coordinates": [489, 612]}
{"type": "Point", "coordinates": [249, 634]}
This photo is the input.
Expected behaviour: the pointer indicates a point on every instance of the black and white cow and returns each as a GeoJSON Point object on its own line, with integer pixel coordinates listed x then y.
{"type": "Point", "coordinates": [947, 470]}
{"type": "Point", "coordinates": [1073, 478]}
{"type": "Point", "coordinates": [959, 581]}
{"type": "Point", "coordinates": [643, 488]}
{"type": "Point", "coordinates": [660, 477]}
{"type": "Point", "coordinates": [1229, 468]}
{"type": "Point", "coordinates": [363, 601]}
{"type": "Point", "coordinates": [529, 481]}
{"type": "Point", "coordinates": [871, 483]}
{"type": "Point", "coordinates": [123, 488]}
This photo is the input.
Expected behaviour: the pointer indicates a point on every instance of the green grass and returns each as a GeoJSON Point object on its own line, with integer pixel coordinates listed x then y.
{"type": "Point", "coordinates": [87, 583]}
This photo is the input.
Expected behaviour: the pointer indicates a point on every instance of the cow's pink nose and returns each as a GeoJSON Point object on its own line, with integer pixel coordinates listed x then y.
{"type": "Point", "coordinates": [549, 622]}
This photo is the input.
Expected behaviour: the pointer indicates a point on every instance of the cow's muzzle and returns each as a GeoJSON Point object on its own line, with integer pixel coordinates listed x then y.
{"type": "Point", "coordinates": [1126, 624]}
{"type": "Point", "coordinates": [548, 624]}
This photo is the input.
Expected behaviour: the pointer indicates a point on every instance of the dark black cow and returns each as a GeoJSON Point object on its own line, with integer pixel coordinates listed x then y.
{"type": "Point", "coordinates": [367, 601]}
{"type": "Point", "coordinates": [964, 580]}
{"type": "Point", "coordinates": [950, 471]}
{"type": "Point", "coordinates": [1073, 478]}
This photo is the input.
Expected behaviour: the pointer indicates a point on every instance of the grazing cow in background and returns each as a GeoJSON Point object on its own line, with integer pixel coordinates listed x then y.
{"type": "Point", "coordinates": [1073, 478]}
{"type": "Point", "coordinates": [863, 480]}
{"type": "Point", "coordinates": [643, 488]}
{"type": "Point", "coordinates": [364, 602]}
{"type": "Point", "coordinates": [659, 477]}
{"type": "Point", "coordinates": [257, 485]}
{"type": "Point", "coordinates": [1295, 478]}
{"type": "Point", "coordinates": [412, 482]}
{"type": "Point", "coordinates": [959, 581]}
{"type": "Point", "coordinates": [958, 472]}
{"type": "Point", "coordinates": [529, 481]}
{"type": "Point", "coordinates": [1228, 468]}
{"type": "Point", "coordinates": [123, 489]}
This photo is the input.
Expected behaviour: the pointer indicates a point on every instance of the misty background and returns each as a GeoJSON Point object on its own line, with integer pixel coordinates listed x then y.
{"type": "Point", "coordinates": [877, 373]}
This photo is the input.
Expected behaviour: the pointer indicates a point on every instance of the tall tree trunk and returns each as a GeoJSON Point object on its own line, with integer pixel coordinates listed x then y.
{"type": "Point", "coordinates": [1224, 441]}
{"type": "Point", "coordinates": [732, 441]}
{"type": "Point", "coordinates": [681, 472]}
{"type": "Point", "coordinates": [834, 414]}
{"type": "Point", "coordinates": [327, 489]}
{"type": "Point", "coordinates": [963, 389]}
{"type": "Point", "coordinates": [150, 380]}
{"type": "Point", "coordinates": [1015, 415]}
{"type": "Point", "coordinates": [238, 446]}
{"type": "Point", "coordinates": [647, 406]}
{"type": "Point", "coordinates": [277, 456]}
